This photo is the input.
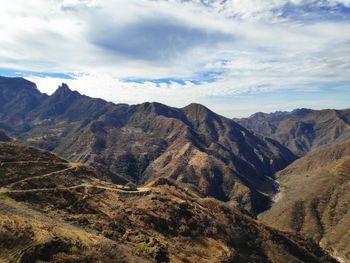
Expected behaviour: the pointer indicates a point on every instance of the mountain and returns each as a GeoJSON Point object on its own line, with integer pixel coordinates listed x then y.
{"type": "Point", "coordinates": [213, 155]}
{"type": "Point", "coordinates": [314, 199]}
{"type": "Point", "coordinates": [301, 130]}
{"type": "Point", "coordinates": [53, 210]}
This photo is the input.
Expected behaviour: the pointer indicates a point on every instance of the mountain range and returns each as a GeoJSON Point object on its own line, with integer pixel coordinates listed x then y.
{"type": "Point", "coordinates": [213, 154]}
{"type": "Point", "coordinates": [162, 184]}
{"type": "Point", "coordinates": [302, 130]}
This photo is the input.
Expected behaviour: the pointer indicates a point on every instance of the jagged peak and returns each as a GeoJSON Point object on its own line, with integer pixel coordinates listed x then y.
{"type": "Point", "coordinates": [63, 90]}
{"type": "Point", "coordinates": [64, 87]}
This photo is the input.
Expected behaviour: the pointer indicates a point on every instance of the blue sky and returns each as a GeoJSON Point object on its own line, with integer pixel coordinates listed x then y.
{"type": "Point", "coordinates": [236, 57]}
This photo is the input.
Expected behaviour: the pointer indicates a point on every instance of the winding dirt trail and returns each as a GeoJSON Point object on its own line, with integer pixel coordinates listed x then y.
{"type": "Point", "coordinates": [5, 190]}
{"type": "Point", "coordinates": [71, 166]}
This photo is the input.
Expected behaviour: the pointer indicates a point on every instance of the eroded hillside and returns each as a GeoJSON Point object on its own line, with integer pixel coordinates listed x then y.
{"type": "Point", "coordinates": [315, 199]}
{"type": "Point", "coordinates": [59, 211]}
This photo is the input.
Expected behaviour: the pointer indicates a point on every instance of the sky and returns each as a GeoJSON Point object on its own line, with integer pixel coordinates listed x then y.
{"type": "Point", "coordinates": [236, 57]}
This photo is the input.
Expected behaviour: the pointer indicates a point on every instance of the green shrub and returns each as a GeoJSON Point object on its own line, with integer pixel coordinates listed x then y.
{"type": "Point", "coordinates": [74, 250]}
{"type": "Point", "coordinates": [143, 246]}
{"type": "Point", "coordinates": [4, 197]}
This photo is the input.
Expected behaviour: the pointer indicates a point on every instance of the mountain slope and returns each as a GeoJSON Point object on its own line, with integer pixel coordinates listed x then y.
{"type": "Point", "coordinates": [56, 211]}
{"type": "Point", "coordinates": [193, 145]}
{"type": "Point", "coordinates": [29, 235]}
{"type": "Point", "coordinates": [314, 199]}
{"type": "Point", "coordinates": [302, 130]}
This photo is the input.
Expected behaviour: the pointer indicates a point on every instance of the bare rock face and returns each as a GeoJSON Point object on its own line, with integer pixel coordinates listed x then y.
{"type": "Point", "coordinates": [314, 199]}
{"type": "Point", "coordinates": [214, 155]}
{"type": "Point", "coordinates": [55, 211]}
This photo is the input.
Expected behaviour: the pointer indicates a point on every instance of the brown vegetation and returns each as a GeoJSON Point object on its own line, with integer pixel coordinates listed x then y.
{"type": "Point", "coordinates": [70, 215]}
{"type": "Point", "coordinates": [315, 199]}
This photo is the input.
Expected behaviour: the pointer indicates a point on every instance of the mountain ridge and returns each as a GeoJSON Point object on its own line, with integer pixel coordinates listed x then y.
{"type": "Point", "coordinates": [302, 130]}
{"type": "Point", "coordinates": [194, 145]}
{"type": "Point", "coordinates": [185, 153]}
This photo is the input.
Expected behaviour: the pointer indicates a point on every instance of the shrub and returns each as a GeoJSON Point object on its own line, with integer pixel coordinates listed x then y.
{"type": "Point", "coordinates": [74, 250]}
{"type": "Point", "coordinates": [143, 246]}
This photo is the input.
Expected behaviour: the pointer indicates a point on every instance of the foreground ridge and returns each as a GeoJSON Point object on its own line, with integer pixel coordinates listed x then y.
{"type": "Point", "coordinates": [57, 211]}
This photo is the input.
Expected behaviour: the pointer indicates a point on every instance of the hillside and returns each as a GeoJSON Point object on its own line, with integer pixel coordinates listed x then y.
{"type": "Point", "coordinates": [314, 199]}
{"type": "Point", "coordinates": [302, 130]}
{"type": "Point", "coordinates": [214, 155]}
{"type": "Point", "coordinates": [53, 210]}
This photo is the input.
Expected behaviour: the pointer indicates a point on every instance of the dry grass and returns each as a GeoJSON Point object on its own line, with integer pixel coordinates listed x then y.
{"type": "Point", "coordinates": [315, 199]}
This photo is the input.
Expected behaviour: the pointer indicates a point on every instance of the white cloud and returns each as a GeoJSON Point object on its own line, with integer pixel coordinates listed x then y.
{"type": "Point", "coordinates": [250, 46]}
{"type": "Point", "coordinates": [267, 10]}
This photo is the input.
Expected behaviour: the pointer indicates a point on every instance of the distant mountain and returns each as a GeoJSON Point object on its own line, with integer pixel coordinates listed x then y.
{"type": "Point", "coordinates": [314, 199]}
{"type": "Point", "coordinates": [193, 145]}
{"type": "Point", "coordinates": [52, 210]}
{"type": "Point", "coordinates": [301, 130]}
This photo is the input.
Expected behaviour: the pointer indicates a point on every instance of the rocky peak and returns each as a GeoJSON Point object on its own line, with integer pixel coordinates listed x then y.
{"type": "Point", "coordinates": [63, 89]}
{"type": "Point", "coordinates": [63, 92]}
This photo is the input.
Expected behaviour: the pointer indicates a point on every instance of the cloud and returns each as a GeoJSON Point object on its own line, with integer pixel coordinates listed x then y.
{"type": "Point", "coordinates": [177, 51]}
{"type": "Point", "coordinates": [275, 10]}
{"type": "Point", "coordinates": [160, 39]}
